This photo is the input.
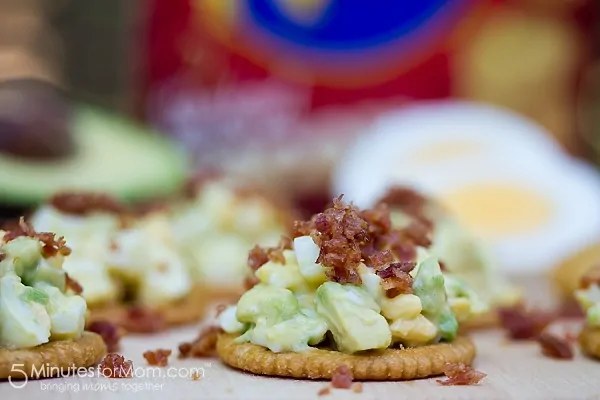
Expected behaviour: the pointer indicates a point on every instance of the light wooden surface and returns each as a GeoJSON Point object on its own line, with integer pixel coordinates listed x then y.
{"type": "Point", "coordinates": [515, 371]}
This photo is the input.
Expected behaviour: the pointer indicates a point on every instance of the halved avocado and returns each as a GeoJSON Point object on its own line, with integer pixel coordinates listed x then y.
{"type": "Point", "coordinates": [112, 155]}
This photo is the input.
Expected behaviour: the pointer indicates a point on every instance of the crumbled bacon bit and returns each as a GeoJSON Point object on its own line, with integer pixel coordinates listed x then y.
{"type": "Point", "coordinates": [73, 285]}
{"type": "Point", "coordinates": [460, 374]}
{"type": "Point", "coordinates": [250, 281]}
{"type": "Point", "coordinates": [51, 244]}
{"type": "Point", "coordinates": [418, 233]}
{"type": "Point", "coordinates": [159, 357]}
{"type": "Point", "coordinates": [84, 203]}
{"type": "Point", "coordinates": [110, 334]}
{"type": "Point", "coordinates": [141, 319]}
{"type": "Point", "coordinates": [342, 377]}
{"type": "Point", "coordinates": [276, 255]}
{"type": "Point", "coordinates": [195, 376]}
{"type": "Point", "coordinates": [114, 366]}
{"type": "Point", "coordinates": [220, 308]}
{"type": "Point", "coordinates": [303, 228]}
{"type": "Point", "coordinates": [571, 336]}
{"type": "Point", "coordinates": [592, 276]}
{"type": "Point", "coordinates": [257, 258]}
{"type": "Point", "coordinates": [571, 309]}
{"type": "Point", "coordinates": [203, 346]}
{"type": "Point", "coordinates": [524, 324]}
{"type": "Point", "coordinates": [286, 243]}
{"type": "Point", "coordinates": [443, 267]}
{"type": "Point", "coordinates": [357, 387]}
{"type": "Point", "coordinates": [555, 347]}
{"type": "Point", "coordinates": [396, 279]}
{"type": "Point", "coordinates": [324, 391]}
{"type": "Point", "coordinates": [405, 198]}
{"type": "Point", "coordinates": [2, 256]}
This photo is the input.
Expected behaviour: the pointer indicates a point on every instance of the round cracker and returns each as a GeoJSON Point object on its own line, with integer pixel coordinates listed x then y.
{"type": "Point", "coordinates": [53, 358]}
{"type": "Point", "coordinates": [190, 309]}
{"type": "Point", "coordinates": [389, 364]}
{"type": "Point", "coordinates": [589, 340]}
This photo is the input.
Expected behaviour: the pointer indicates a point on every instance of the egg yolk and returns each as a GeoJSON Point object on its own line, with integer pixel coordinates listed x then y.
{"type": "Point", "coordinates": [496, 210]}
{"type": "Point", "coordinates": [445, 151]}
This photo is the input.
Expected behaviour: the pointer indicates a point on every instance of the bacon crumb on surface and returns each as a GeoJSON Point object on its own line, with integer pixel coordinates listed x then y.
{"type": "Point", "coordinates": [554, 346]}
{"type": "Point", "coordinates": [203, 346]}
{"type": "Point", "coordinates": [110, 334]}
{"type": "Point", "coordinates": [114, 365]}
{"type": "Point", "coordinates": [342, 377]}
{"type": "Point", "coordinates": [460, 374]}
{"type": "Point", "coordinates": [140, 319]}
{"type": "Point", "coordinates": [324, 391]}
{"type": "Point", "coordinates": [72, 284]}
{"type": "Point", "coordinates": [195, 376]}
{"type": "Point", "coordinates": [357, 387]}
{"type": "Point", "coordinates": [524, 324]}
{"type": "Point", "coordinates": [84, 203]}
{"type": "Point", "coordinates": [159, 357]}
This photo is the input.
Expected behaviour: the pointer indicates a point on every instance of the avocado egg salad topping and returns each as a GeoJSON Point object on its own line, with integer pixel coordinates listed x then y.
{"type": "Point", "coordinates": [39, 302]}
{"type": "Point", "coordinates": [588, 296]}
{"type": "Point", "coordinates": [461, 253]}
{"type": "Point", "coordinates": [117, 256]}
{"type": "Point", "coordinates": [222, 222]}
{"type": "Point", "coordinates": [351, 282]}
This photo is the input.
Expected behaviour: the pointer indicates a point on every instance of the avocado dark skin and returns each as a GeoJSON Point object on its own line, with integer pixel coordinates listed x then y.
{"type": "Point", "coordinates": [34, 125]}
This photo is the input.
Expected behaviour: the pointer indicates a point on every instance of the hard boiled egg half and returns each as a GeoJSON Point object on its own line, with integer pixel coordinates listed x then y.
{"type": "Point", "coordinates": [502, 176]}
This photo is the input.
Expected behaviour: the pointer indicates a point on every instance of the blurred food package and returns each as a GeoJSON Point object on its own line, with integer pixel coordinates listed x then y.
{"type": "Point", "coordinates": [273, 90]}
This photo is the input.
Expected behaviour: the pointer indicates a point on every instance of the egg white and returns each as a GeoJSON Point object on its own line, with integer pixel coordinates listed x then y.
{"type": "Point", "coordinates": [386, 152]}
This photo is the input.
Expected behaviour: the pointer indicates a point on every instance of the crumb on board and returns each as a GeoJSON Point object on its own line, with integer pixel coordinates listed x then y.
{"type": "Point", "coordinates": [460, 374]}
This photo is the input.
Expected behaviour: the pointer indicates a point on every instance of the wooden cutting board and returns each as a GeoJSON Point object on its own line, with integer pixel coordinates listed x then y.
{"type": "Point", "coordinates": [515, 371]}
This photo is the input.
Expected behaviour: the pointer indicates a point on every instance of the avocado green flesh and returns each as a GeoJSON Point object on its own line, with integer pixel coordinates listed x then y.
{"type": "Point", "coordinates": [113, 155]}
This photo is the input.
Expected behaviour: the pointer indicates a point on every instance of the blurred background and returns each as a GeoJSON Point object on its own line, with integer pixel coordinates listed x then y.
{"type": "Point", "coordinates": [275, 92]}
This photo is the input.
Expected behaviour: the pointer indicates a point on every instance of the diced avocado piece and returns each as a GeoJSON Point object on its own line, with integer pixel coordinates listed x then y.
{"type": "Point", "coordinates": [32, 294]}
{"type": "Point", "coordinates": [593, 315]}
{"type": "Point", "coordinates": [463, 301]}
{"type": "Point", "coordinates": [271, 304]}
{"type": "Point", "coordinates": [112, 155]}
{"type": "Point", "coordinates": [23, 253]}
{"type": "Point", "coordinates": [67, 313]}
{"type": "Point", "coordinates": [23, 322]}
{"type": "Point", "coordinates": [45, 272]}
{"type": "Point", "coordinates": [294, 334]}
{"type": "Point", "coordinates": [429, 287]}
{"type": "Point", "coordinates": [353, 317]}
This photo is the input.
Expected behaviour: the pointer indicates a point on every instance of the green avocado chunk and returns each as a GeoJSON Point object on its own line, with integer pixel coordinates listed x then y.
{"type": "Point", "coordinates": [112, 155]}
{"type": "Point", "coordinates": [430, 288]}
{"type": "Point", "coordinates": [353, 318]}
{"type": "Point", "coordinates": [268, 304]}
{"type": "Point", "coordinates": [22, 255]}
